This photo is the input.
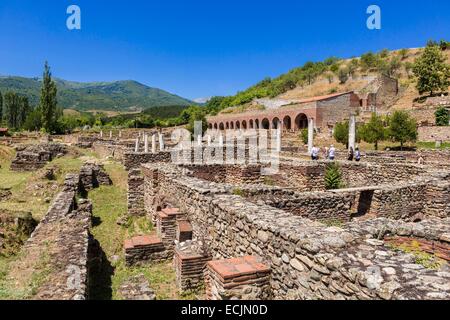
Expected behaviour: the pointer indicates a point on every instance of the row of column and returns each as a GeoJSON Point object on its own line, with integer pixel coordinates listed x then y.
{"type": "Point", "coordinates": [147, 145]}
{"type": "Point", "coordinates": [220, 138]}
{"type": "Point", "coordinates": [110, 134]}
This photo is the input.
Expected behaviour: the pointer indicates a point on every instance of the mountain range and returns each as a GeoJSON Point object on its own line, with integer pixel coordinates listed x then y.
{"type": "Point", "coordinates": [123, 96]}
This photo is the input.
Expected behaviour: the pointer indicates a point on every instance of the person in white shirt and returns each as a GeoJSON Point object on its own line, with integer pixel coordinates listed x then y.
{"type": "Point", "coordinates": [315, 153]}
{"type": "Point", "coordinates": [332, 153]}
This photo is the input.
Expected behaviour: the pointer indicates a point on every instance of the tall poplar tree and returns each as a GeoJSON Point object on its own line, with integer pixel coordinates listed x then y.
{"type": "Point", "coordinates": [48, 102]}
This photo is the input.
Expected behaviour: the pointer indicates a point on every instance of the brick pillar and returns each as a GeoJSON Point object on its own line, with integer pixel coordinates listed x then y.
{"type": "Point", "coordinates": [190, 264]}
{"type": "Point", "coordinates": [243, 278]}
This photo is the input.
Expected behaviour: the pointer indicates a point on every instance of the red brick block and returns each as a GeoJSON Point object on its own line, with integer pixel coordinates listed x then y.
{"type": "Point", "coordinates": [238, 267]}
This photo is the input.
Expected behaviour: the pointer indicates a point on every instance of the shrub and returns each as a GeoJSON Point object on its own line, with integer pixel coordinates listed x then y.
{"type": "Point", "coordinates": [333, 177]}
{"type": "Point", "coordinates": [442, 117]}
{"type": "Point", "coordinates": [304, 136]}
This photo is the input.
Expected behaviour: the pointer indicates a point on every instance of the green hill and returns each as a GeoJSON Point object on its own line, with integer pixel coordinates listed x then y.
{"type": "Point", "coordinates": [111, 96]}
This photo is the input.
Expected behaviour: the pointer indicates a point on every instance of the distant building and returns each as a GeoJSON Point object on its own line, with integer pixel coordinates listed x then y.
{"type": "Point", "coordinates": [326, 111]}
{"type": "Point", "coordinates": [294, 115]}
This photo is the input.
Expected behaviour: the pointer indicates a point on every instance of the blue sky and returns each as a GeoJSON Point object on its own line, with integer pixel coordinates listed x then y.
{"type": "Point", "coordinates": [203, 48]}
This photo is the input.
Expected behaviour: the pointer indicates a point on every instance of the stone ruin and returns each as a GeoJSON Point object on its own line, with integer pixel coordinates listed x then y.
{"type": "Point", "coordinates": [286, 237]}
{"type": "Point", "coordinates": [240, 234]}
{"type": "Point", "coordinates": [36, 156]}
{"type": "Point", "coordinates": [93, 175]}
{"type": "Point", "coordinates": [63, 238]}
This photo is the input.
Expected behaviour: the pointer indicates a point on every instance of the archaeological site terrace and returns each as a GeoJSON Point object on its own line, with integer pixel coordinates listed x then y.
{"type": "Point", "coordinates": [233, 231]}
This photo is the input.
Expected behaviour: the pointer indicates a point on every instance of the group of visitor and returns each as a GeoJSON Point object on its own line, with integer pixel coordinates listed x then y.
{"type": "Point", "coordinates": [330, 154]}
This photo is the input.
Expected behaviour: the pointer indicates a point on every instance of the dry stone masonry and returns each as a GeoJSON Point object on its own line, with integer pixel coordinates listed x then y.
{"type": "Point", "coordinates": [36, 156]}
{"type": "Point", "coordinates": [307, 258]}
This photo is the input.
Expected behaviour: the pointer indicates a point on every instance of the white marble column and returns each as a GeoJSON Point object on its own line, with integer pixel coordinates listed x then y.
{"type": "Point", "coordinates": [146, 143]}
{"type": "Point", "coordinates": [278, 143]}
{"type": "Point", "coordinates": [154, 143]}
{"type": "Point", "coordinates": [352, 133]}
{"type": "Point", "coordinates": [161, 142]}
{"type": "Point", "coordinates": [310, 134]}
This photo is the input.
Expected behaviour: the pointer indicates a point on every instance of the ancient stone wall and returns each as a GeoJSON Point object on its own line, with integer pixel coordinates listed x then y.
{"type": "Point", "coordinates": [36, 156]}
{"type": "Point", "coordinates": [434, 158]}
{"type": "Point", "coordinates": [307, 259]}
{"type": "Point", "coordinates": [432, 134]}
{"type": "Point", "coordinates": [236, 174]}
{"type": "Point", "coordinates": [336, 109]}
{"type": "Point", "coordinates": [307, 176]}
{"type": "Point", "coordinates": [63, 238]}
{"type": "Point", "coordinates": [93, 175]}
{"type": "Point", "coordinates": [135, 194]}
{"type": "Point", "coordinates": [135, 159]}
{"type": "Point", "coordinates": [110, 149]}
{"type": "Point", "coordinates": [322, 206]}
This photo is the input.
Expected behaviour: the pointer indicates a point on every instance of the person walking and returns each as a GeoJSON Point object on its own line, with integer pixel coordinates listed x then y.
{"type": "Point", "coordinates": [351, 154]}
{"type": "Point", "coordinates": [315, 153]}
{"type": "Point", "coordinates": [332, 153]}
{"type": "Point", "coordinates": [357, 155]}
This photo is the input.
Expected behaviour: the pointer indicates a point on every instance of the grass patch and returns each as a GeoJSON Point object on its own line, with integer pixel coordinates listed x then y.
{"type": "Point", "coordinates": [109, 203]}
{"type": "Point", "coordinates": [238, 192]}
{"type": "Point", "coordinates": [332, 222]}
{"type": "Point", "coordinates": [268, 181]}
{"type": "Point", "coordinates": [432, 145]}
{"type": "Point", "coordinates": [421, 257]}
{"type": "Point", "coordinates": [161, 277]}
{"type": "Point", "coordinates": [27, 285]}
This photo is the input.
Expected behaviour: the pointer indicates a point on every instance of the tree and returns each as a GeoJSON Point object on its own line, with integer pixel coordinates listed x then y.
{"type": "Point", "coordinates": [444, 45]}
{"type": "Point", "coordinates": [390, 67]}
{"type": "Point", "coordinates": [331, 60]}
{"type": "Point", "coordinates": [369, 61]}
{"type": "Point", "coordinates": [11, 108]}
{"type": "Point", "coordinates": [334, 68]}
{"type": "Point", "coordinates": [403, 53]}
{"type": "Point", "coordinates": [197, 116]}
{"type": "Point", "coordinates": [384, 53]}
{"type": "Point", "coordinates": [442, 117]}
{"type": "Point", "coordinates": [330, 77]}
{"type": "Point", "coordinates": [402, 127]}
{"type": "Point", "coordinates": [33, 122]}
{"type": "Point", "coordinates": [352, 67]}
{"type": "Point", "coordinates": [432, 71]}
{"type": "Point", "coordinates": [48, 102]}
{"type": "Point", "coordinates": [341, 132]}
{"type": "Point", "coordinates": [408, 67]}
{"type": "Point", "coordinates": [343, 75]}
{"type": "Point", "coordinates": [24, 110]}
{"type": "Point", "coordinates": [374, 131]}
